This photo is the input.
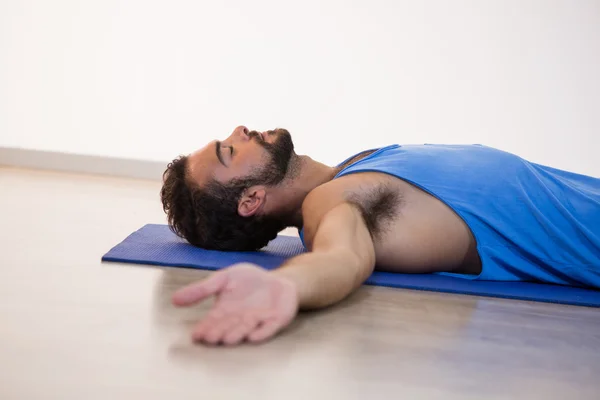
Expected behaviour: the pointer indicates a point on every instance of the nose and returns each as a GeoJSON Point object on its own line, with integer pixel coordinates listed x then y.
{"type": "Point", "coordinates": [242, 132]}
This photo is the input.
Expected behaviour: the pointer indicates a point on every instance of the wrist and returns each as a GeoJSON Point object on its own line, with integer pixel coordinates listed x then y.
{"type": "Point", "coordinates": [296, 283]}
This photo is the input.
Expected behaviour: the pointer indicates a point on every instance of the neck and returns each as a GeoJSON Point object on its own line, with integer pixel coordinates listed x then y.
{"type": "Point", "coordinates": [304, 175]}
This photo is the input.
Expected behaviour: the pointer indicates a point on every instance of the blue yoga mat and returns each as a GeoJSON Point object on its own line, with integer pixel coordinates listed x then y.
{"type": "Point", "coordinates": [157, 245]}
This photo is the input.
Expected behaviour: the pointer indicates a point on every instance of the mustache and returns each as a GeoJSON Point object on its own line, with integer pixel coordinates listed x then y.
{"type": "Point", "coordinates": [255, 135]}
{"type": "Point", "coordinates": [280, 131]}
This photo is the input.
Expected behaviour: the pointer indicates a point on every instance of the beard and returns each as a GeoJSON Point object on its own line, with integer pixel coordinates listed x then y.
{"type": "Point", "coordinates": [280, 152]}
{"type": "Point", "coordinates": [255, 231]}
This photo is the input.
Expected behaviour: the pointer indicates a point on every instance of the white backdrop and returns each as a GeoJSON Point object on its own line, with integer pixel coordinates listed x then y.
{"type": "Point", "coordinates": [152, 79]}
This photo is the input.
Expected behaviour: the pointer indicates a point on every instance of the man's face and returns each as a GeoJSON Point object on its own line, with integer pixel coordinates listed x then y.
{"type": "Point", "coordinates": [263, 157]}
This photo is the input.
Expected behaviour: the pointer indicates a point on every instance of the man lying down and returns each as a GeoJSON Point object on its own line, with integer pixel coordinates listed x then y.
{"type": "Point", "coordinates": [468, 211]}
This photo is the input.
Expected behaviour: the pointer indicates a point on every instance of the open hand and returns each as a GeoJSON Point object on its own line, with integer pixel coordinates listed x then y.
{"type": "Point", "coordinates": [251, 304]}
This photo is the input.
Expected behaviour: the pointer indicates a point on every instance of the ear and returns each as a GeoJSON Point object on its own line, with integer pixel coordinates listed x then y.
{"type": "Point", "coordinates": [251, 201]}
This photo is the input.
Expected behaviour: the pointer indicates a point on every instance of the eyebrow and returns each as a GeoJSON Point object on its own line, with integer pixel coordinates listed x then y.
{"type": "Point", "coordinates": [218, 153]}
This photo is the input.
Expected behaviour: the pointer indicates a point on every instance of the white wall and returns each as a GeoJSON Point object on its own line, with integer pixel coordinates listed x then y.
{"type": "Point", "coordinates": [151, 79]}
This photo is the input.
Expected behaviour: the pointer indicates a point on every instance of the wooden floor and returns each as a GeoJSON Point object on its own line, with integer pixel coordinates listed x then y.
{"type": "Point", "coordinates": [74, 328]}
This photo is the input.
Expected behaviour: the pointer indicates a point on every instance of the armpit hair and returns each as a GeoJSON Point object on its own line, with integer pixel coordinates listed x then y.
{"type": "Point", "coordinates": [378, 206]}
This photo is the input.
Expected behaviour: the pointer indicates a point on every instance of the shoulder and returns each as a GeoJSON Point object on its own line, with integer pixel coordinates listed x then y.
{"type": "Point", "coordinates": [329, 195]}
{"type": "Point", "coordinates": [316, 205]}
{"type": "Point", "coordinates": [366, 194]}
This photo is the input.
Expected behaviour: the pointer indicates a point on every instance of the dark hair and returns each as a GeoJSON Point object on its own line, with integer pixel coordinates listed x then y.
{"type": "Point", "coordinates": [207, 217]}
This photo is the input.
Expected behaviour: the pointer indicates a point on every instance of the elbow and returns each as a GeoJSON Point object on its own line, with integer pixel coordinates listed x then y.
{"type": "Point", "coordinates": [363, 264]}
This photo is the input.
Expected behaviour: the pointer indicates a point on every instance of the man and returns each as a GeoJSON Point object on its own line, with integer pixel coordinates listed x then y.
{"type": "Point", "coordinates": [468, 211]}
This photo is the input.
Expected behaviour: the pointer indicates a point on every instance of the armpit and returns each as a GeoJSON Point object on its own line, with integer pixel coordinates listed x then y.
{"type": "Point", "coordinates": [379, 206]}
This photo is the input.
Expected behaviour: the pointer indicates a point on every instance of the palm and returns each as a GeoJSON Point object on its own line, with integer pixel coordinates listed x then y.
{"type": "Point", "coordinates": [250, 304]}
{"type": "Point", "coordinates": [250, 290]}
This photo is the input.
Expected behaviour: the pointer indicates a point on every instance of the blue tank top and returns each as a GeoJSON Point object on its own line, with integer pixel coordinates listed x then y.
{"type": "Point", "coordinates": [531, 222]}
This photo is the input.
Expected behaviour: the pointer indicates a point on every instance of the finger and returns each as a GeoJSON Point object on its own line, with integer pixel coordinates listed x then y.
{"type": "Point", "coordinates": [265, 331]}
{"type": "Point", "coordinates": [198, 291]}
{"type": "Point", "coordinates": [240, 331]}
{"type": "Point", "coordinates": [215, 333]}
{"type": "Point", "coordinates": [210, 320]}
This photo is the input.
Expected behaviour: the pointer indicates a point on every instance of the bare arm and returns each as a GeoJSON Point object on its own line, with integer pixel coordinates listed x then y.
{"type": "Point", "coordinates": [342, 256]}
{"type": "Point", "coordinates": [253, 303]}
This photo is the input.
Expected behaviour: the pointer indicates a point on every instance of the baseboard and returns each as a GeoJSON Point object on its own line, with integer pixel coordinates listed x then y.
{"type": "Point", "coordinates": [80, 163]}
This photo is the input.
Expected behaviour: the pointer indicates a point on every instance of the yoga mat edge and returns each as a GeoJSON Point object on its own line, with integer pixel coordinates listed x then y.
{"type": "Point", "coordinates": [156, 245]}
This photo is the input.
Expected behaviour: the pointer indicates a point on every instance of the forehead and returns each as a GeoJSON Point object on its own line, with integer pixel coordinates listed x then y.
{"type": "Point", "coordinates": [203, 163]}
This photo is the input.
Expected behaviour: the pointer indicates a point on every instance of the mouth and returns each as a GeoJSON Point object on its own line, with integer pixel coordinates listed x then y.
{"type": "Point", "coordinates": [257, 135]}
{"type": "Point", "coordinates": [264, 137]}
{"type": "Point", "coordinates": [267, 134]}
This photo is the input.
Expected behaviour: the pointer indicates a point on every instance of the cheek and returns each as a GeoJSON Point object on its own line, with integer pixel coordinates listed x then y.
{"type": "Point", "coordinates": [222, 174]}
{"type": "Point", "coordinates": [240, 166]}
{"type": "Point", "coordinates": [248, 160]}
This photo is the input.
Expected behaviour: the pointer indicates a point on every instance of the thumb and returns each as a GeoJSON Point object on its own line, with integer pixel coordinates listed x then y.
{"type": "Point", "coordinates": [200, 290]}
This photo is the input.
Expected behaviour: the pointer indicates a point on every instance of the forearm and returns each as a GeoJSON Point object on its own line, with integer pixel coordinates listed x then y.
{"type": "Point", "coordinates": [322, 279]}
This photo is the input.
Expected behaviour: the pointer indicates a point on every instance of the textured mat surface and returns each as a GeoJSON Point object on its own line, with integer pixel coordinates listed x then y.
{"type": "Point", "coordinates": [157, 245]}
